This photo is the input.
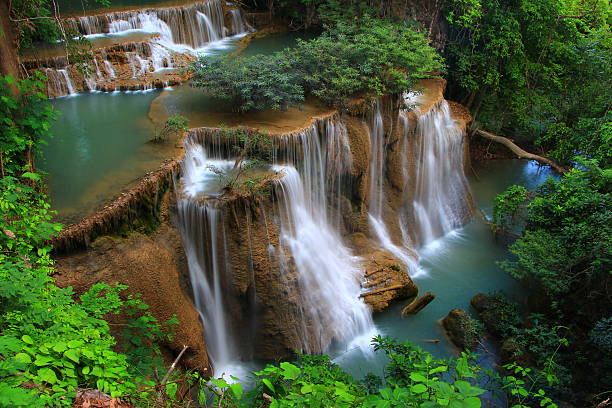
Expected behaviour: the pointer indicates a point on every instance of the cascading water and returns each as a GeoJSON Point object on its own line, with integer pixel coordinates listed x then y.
{"type": "Point", "coordinates": [191, 26]}
{"type": "Point", "coordinates": [109, 69]}
{"type": "Point", "coordinates": [207, 26]}
{"type": "Point", "coordinates": [329, 274]}
{"type": "Point", "coordinates": [239, 26]}
{"type": "Point", "coordinates": [440, 201]}
{"type": "Point", "coordinates": [200, 224]}
{"type": "Point", "coordinates": [59, 82]}
{"type": "Point", "coordinates": [375, 214]}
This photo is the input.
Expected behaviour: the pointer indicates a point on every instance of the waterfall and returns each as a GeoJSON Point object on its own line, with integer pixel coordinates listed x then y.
{"type": "Point", "coordinates": [99, 75]}
{"type": "Point", "coordinates": [440, 202]}
{"type": "Point", "coordinates": [192, 26]}
{"type": "Point", "coordinates": [207, 26]}
{"type": "Point", "coordinates": [375, 208]}
{"type": "Point", "coordinates": [59, 82]}
{"type": "Point", "coordinates": [109, 68]}
{"type": "Point", "coordinates": [200, 226]}
{"type": "Point", "coordinates": [239, 26]}
{"type": "Point", "coordinates": [329, 275]}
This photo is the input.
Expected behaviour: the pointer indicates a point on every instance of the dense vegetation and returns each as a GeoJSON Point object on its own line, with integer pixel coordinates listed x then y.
{"type": "Point", "coordinates": [563, 254]}
{"type": "Point", "coordinates": [371, 58]}
{"type": "Point", "coordinates": [535, 70]}
{"type": "Point", "coordinates": [538, 71]}
{"type": "Point", "coordinates": [52, 342]}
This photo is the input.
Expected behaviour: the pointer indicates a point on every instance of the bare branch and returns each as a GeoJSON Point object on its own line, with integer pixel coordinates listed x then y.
{"type": "Point", "coordinates": [522, 154]}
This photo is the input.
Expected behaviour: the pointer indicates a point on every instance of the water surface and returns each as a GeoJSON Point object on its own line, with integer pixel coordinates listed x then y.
{"type": "Point", "coordinates": [458, 266]}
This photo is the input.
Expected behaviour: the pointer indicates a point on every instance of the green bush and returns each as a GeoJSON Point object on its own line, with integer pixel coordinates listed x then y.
{"type": "Point", "coordinates": [372, 58]}
{"type": "Point", "coordinates": [255, 83]}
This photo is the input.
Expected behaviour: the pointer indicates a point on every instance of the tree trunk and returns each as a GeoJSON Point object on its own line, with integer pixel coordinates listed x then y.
{"type": "Point", "coordinates": [417, 305]}
{"type": "Point", "coordinates": [9, 59]}
{"type": "Point", "coordinates": [520, 153]}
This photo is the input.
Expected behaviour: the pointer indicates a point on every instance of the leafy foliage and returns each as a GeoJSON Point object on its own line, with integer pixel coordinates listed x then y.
{"type": "Point", "coordinates": [253, 149]}
{"type": "Point", "coordinates": [50, 342]}
{"type": "Point", "coordinates": [40, 21]}
{"type": "Point", "coordinates": [173, 126]}
{"type": "Point", "coordinates": [536, 70]}
{"type": "Point", "coordinates": [564, 254]}
{"type": "Point", "coordinates": [372, 58]}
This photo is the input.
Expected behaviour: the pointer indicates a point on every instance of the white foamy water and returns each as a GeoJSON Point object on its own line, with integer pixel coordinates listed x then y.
{"type": "Point", "coordinates": [329, 274]}
{"type": "Point", "coordinates": [441, 199]}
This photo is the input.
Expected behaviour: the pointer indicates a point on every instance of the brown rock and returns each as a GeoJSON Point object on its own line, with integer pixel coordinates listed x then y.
{"type": "Point", "coordinates": [460, 329]}
{"type": "Point", "coordinates": [386, 279]}
{"type": "Point", "coordinates": [151, 265]}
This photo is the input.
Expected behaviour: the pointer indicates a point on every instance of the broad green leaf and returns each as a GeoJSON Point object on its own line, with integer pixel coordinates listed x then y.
{"type": "Point", "coordinates": [290, 372]}
{"type": "Point", "coordinates": [268, 384]}
{"type": "Point", "coordinates": [47, 375]}
{"type": "Point", "coordinates": [418, 388]}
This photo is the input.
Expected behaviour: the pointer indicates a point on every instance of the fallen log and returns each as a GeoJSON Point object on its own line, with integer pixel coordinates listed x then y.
{"type": "Point", "coordinates": [522, 154]}
{"type": "Point", "coordinates": [417, 305]}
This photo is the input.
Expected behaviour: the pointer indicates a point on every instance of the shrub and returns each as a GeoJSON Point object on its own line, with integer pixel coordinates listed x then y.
{"type": "Point", "coordinates": [372, 58]}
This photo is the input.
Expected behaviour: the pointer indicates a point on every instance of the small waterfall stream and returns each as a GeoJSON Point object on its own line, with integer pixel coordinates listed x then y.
{"type": "Point", "coordinates": [440, 202]}
{"type": "Point", "coordinates": [377, 176]}
{"type": "Point", "coordinates": [200, 224]}
{"type": "Point", "coordinates": [187, 29]}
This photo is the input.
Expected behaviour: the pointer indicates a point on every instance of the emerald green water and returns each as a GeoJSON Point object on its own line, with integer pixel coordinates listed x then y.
{"type": "Point", "coordinates": [458, 266]}
{"type": "Point", "coordinates": [100, 145]}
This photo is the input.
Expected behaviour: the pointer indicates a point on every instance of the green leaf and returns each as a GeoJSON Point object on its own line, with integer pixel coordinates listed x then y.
{"type": "Point", "coordinates": [42, 360]}
{"type": "Point", "coordinates": [23, 358]}
{"type": "Point", "coordinates": [73, 355]}
{"type": "Point", "coordinates": [418, 388]}
{"type": "Point", "coordinates": [472, 402]}
{"type": "Point", "coordinates": [236, 389]}
{"type": "Point", "coordinates": [418, 377]}
{"type": "Point", "coordinates": [27, 339]}
{"type": "Point", "coordinates": [47, 375]}
{"type": "Point", "coordinates": [290, 372]}
{"type": "Point", "coordinates": [268, 384]}
{"type": "Point", "coordinates": [171, 389]}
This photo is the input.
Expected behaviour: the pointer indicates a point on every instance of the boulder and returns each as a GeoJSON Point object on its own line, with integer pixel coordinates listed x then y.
{"type": "Point", "coordinates": [461, 329]}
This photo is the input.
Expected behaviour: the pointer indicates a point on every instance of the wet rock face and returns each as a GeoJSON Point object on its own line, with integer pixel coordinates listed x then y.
{"type": "Point", "coordinates": [124, 67]}
{"type": "Point", "coordinates": [151, 265]}
{"type": "Point", "coordinates": [386, 281]}
{"type": "Point", "coordinates": [264, 302]}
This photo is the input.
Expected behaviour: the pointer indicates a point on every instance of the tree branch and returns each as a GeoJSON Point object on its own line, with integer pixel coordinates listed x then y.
{"type": "Point", "coordinates": [522, 154]}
